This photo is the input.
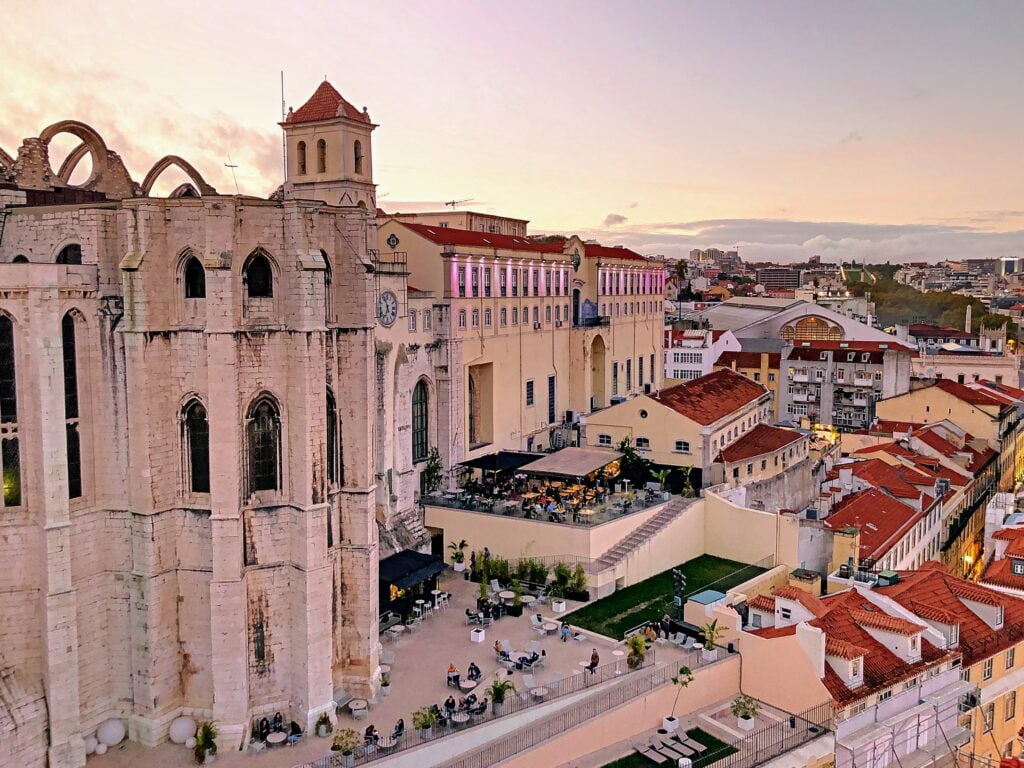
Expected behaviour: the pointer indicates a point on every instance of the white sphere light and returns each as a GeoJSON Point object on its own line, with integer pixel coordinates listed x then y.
{"type": "Point", "coordinates": [110, 732]}
{"type": "Point", "coordinates": [181, 729]}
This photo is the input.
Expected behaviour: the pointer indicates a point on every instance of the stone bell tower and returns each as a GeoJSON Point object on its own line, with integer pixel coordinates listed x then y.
{"type": "Point", "coordinates": [329, 151]}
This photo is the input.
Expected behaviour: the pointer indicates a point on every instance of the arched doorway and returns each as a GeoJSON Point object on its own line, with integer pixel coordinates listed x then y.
{"type": "Point", "coordinates": [597, 374]}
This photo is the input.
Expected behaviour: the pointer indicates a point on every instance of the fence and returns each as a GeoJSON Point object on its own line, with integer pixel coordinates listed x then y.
{"type": "Point", "coordinates": [777, 739]}
{"type": "Point", "coordinates": [514, 702]}
{"type": "Point", "coordinates": [538, 732]}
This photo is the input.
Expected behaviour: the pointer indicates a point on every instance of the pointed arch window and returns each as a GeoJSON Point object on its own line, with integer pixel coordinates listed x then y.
{"type": "Point", "coordinates": [335, 467]}
{"type": "Point", "coordinates": [321, 156]}
{"type": "Point", "coordinates": [195, 279]}
{"type": "Point", "coordinates": [258, 277]}
{"type": "Point", "coordinates": [263, 434]}
{"type": "Point", "coordinates": [72, 422]}
{"type": "Point", "coordinates": [420, 421]}
{"type": "Point", "coordinates": [357, 156]}
{"type": "Point", "coordinates": [70, 254]}
{"type": "Point", "coordinates": [328, 288]}
{"type": "Point", "coordinates": [301, 158]}
{"type": "Point", "coordinates": [10, 457]}
{"type": "Point", "coordinates": [196, 441]}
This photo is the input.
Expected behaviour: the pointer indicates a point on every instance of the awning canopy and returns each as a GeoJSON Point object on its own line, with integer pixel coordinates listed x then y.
{"type": "Point", "coordinates": [572, 462]}
{"type": "Point", "coordinates": [502, 461]}
{"type": "Point", "coordinates": [408, 568]}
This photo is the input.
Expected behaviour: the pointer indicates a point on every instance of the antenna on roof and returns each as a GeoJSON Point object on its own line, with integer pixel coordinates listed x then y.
{"type": "Point", "coordinates": [452, 203]}
{"type": "Point", "coordinates": [232, 166]}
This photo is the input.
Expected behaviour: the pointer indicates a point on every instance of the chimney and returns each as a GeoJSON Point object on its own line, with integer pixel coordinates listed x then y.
{"type": "Point", "coordinates": [967, 319]}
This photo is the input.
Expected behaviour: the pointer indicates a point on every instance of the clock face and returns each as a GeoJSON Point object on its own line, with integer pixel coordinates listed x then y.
{"type": "Point", "coordinates": [387, 308]}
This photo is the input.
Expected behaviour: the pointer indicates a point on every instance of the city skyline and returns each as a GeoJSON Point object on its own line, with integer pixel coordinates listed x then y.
{"type": "Point", "coordinates": [864, 132]}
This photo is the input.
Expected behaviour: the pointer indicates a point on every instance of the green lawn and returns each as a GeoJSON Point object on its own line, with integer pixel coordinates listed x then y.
{"type": "Point", "coordinates": [650, 599]}
{"type": "Point", "coordinates": [716, 750]}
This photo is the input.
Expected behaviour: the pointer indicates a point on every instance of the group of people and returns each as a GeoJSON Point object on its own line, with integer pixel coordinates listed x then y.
{"type": "Point", "coordinates": [662, 628]}
{"type": "Point", "coordinates": [454, 676]}
{"type": "Point", "coordinates": [372, 737]}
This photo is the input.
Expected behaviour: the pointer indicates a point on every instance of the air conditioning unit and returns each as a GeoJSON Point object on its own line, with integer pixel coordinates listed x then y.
{"type": "Point", "coordinates": [536, 326]}
{"type": "Point", "coordinates": [558, 323]}
{"type": "Point", "coordinates": [616, 399]}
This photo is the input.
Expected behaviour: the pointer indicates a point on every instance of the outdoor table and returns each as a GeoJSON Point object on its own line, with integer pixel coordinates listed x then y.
{"type": "Point", "coordinates": [549, 627]}
{"type": "Point", "coordinates": [396, 631]}
{"type": "Point", "coordinates": [618, 653]}
{"type": "Point", "coordinates": [585, 664]}
{"type": "Point", "coordinates": [460, 718]}
{"type": "Point", "coordinates": [356, 704]}
{"type": "Point", "coordinates": [466, 684]}
{"type": "Point", "coordinates": [530, 495]}
{"type": "Point", "coordinates": [386, 742]}
{"type": "Point", "coordinates": [506, 594]}
{"type": "Point", "coordinates": [528, 599]}
{"type": "Point", "coordinates": [277, 738]}
{"type": "Point", "coordinates": [436, 593]}
{"type": "Point", "coordinates": [538, 693]}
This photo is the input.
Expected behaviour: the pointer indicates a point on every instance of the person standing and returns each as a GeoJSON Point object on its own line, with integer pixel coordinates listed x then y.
{"type": "Point", "coordinates": [565, 632]}
{"type": "Point", "coordinates": [666, 625]}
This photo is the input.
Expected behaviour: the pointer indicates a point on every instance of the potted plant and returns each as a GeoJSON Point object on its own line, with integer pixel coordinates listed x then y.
{"type": "Point", "coordinates": [385, 684]}
{"type": "Point", "coordinates": [498, 690]}
{"type": "Point", "coordinates": [712, 633]}
{"type": "Point", "coordinates": [682, 680]}
{"type": "Point", "coordinates": [745, 708]}
{"type": "Point", "coordinates": [423, 720]}
{"type": "Point", "coordinates": [323, 725]}
{"type": "Point", "coordinates": [484, 591]}
{"type": "Point", "coordinates": [516, 609]}
{"type": "Point", "coordinates": [576, 589]}
{"type": "Point", "coordinates": [637, 649]}
{"type": "Point", "coordinates": [458, 555]}
{"type": "Point", "coordinates": [433, 471]}
{"type": "Point", "coordinates": [206, 743]}
{"type": "Point", "coordinates": [346, 741]}
{"type": "Point", "coordinates": [661, 476]}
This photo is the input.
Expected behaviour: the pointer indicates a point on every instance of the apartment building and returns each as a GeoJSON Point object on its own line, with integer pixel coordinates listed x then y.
{"type": "Point", "coordinates": [762, 367]}
{"type": "Point", "coordinates": [691, 353]}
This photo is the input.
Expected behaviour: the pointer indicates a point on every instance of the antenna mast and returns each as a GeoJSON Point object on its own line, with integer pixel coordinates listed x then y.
{"type": "Point", "coordinates": [453, 203]}
{"type": "Point", "coordinates": [284, 140]}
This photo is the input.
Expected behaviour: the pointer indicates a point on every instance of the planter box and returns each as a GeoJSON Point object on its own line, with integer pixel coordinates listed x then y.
{"type": "Point", "coordinates": [498, 708]}
{"type": "Point", "coordinates": [385, 690]}
{"type": "Point", "coordinates": [670, 724]}
{"type": "Point", "coordinates": [709, 654]}
{"type": "Point", "coordinates": [581, 597]}
{"type": "Point", "coordinates": [558, 606]}
{"type": "Point", "coordinates": [514, 610]}
{"type": "Point", "coordinates": [322, 731]}
{"type": "Point", "coordinates": [477, 635]}
{"type": "Point", "coordinates": [746, 723]}
{"type": "Point", "coordinates": [459, 567]}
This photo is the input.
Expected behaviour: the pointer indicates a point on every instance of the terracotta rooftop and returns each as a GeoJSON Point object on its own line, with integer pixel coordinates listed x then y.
{"type": "Point", "coordinates": [927, 330]}
{"type": "Point", "coordinates": [760, 440]}
{"type": "Point", "coordinates": [594, 251]}
{"type": "Point", "coordinates": [762, 603]}
{"type": "Point", "coordinates": [1000, 572]}
{"type": "Point", "coordinates": [470, 238]}
{"type": "Point", "coordinates": [324, 104]}
{"type": "Point", "coordinates": [933, 586]}
{"type": "Point", "coordinates": [965, 393]}
{"type": "Point", "coordinates": [879, 474]}
{"type": "Point", "coordinates": [888, 427]}
{"type": "Point", "coordinates": [883, 621]}
{"type": "Point", "coordinates": [882, 520]}
{"type": "Point", "coordinates": [834, 646]}
{"type": "Point", "coordinates": [709, 398]}
{"type": "Point", "coordinates": [811, 602]}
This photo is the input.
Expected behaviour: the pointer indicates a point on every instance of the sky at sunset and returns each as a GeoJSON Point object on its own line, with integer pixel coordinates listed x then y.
{"type": "Point", "coordinates": [878, 130]}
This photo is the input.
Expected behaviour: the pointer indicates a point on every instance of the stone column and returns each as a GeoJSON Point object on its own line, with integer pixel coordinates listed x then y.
{"type": "Point", "coordinates": [60, 666]}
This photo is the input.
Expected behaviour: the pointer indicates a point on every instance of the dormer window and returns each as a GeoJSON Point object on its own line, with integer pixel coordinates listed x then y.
{"type": "Point", "coordinates": [856, 668]}
{"type": "Point", "coordinates": [915, 643]}
{"type": "Point", "coordinates": [785, 613]}
{"type": "Point", "coordinates": [1017, 566]}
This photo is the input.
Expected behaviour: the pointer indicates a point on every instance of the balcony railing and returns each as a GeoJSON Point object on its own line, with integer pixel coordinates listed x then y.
{"type": "Point", "coordinates": [390, 263]}
{"type": "Point", "coordinates": [588, 515]}
{"type": "Point", "coordinates": [592, 322]}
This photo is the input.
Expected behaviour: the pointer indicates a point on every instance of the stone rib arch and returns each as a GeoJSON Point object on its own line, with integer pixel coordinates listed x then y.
{"type": "Point", "coordinates": [166, 162]}
{"type": "Point", "coordinates": [6, 161]}
{"type": "Point", "coordinates": [92, 142]}
{"type": "Point", "coordinates": [71, 162]}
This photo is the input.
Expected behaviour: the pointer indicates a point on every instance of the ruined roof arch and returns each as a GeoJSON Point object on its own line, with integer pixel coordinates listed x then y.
{"type": "Point", "coordinates": [71, 162]}
{"type": "Point", "coordinates": [92, 143]}
{"type": "Point", "coordinates": [165, 162]}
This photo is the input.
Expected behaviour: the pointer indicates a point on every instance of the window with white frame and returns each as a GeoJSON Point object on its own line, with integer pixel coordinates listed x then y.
{"type": "Point", "coordinates": [476, 318]}
{"type": "Point", "coordinates": [643, 443]}
{"type": "Point", "coordinates": [462, 318]}
{"type": "Point", "coordinates": [426, 319]}
{"type": "Point", "coordinates": [603, 439]}
{"type": "Point", "coordinates": [682, 446]}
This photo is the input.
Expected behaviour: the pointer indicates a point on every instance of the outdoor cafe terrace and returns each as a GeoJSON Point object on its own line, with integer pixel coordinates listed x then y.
{"type": "Point", "coordinates": [574, 486]}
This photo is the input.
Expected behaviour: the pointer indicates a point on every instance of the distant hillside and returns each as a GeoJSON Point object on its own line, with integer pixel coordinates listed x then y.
{"type": "Point", "coordinates": [896, 303]}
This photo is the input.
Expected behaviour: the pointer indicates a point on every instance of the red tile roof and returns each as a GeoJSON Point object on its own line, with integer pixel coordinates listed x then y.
{"type": "Point", "coordinates": [834, 646]}
{"type": "Point", "coordinates": [887, 427]}
{"type": "Point", "coordinates": [965, 393]}
{"type": "Point", "coordinates": [760, 440]}
{"type": "Point", "coordinates": [762, 603]}
{"type": "Point", "coordinates": [709, 398]}
{"type": "Point", "coordinates": [324, 105]}
{"type": "Point", "coordinates": [926, 330]}
{"type": "Point", "coordinates": [748, 359]}
{"type": "Point", "coordinates": [467, 237]}
{"type": "Point", "coordinates": [882, 520]}
{"type": "Point", "coordinates": [811, 602]}
{"type": "Point", "coordinates": [594, 251]}
{"type": "Point", "coordinates": [1000, 572]}
{"type": "Point", "coordinates": [931, 585]}
{"type": "Point", "coordinates": [883, 621]}
{"type": "Point", "coordinates": [769, 632]}
{"type": "Point", "coordinates": [880, 474]}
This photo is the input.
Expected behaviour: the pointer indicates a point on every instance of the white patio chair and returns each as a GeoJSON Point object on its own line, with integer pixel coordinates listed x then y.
{"type": "Point", "coordinates": [495, 587]}
{"type": "Point", "coordinates": [534, 647]}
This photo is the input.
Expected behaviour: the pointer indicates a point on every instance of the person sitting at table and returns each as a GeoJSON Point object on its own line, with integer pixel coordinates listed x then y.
{"type": "Point", "coordinates": [481, 708]}
{"type": "Point", "coordinates": [525, 662]}
{"type": "Point", "coordinates": [399, 729]}
{"type": "Point", "coordinates": [370, 735]}
{"type": "Point", "coordinates": [473, 673]}
{"type": "Point", "coordinates": [650, 633]}
{"type": "Point", "coordinates": [449, 706]}
{"type": "Point", "coordinates": [594, 661]}
{"type": "Point", "coordinates": [453, 675]}
{"type": "Point", "coordinates": [468, 702]}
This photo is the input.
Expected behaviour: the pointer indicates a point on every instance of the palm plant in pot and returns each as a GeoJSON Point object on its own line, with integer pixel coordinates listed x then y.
{"type": "Point", "coordinates": [346, 741]}
{"type": "Point", "coordinates": [323, 725]}
{"type": "Point", "coordinates": [206, 743]}
{"type": "Point", "coordinates": [711, 632]}
{"type": "Point", "coordinates": [745, 708]}
{"type": "Point", "coordinates": [458, 555]}
{"type": "Point", "coordinates": [516, 609]}
{"type": "Point", "coordinates": [498, 690]}
{"type": "Point", "coordinates": [423, 720]}
{"type": "Point", "coordinates": [385, 684]}
{"type": "Point", "coordinates": [637, 648]}
{"type": "Point", "coordinates": [680, 681]}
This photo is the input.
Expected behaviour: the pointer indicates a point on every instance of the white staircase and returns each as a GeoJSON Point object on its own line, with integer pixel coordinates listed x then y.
{"type": "Point", "coordinates": [622, 549]}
